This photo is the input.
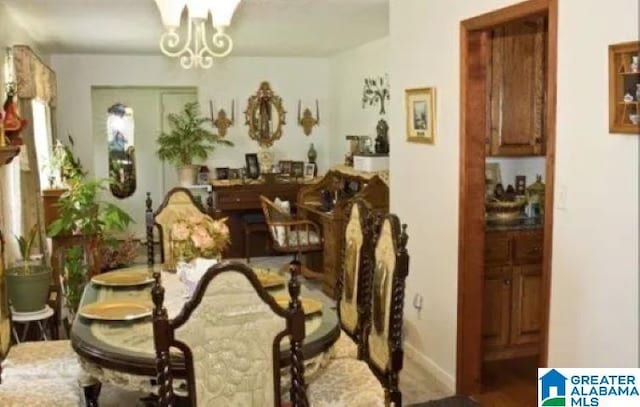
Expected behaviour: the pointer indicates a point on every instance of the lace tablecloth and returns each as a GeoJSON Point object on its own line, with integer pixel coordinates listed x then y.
{"type": "Point", "coordinates": [137, 336]}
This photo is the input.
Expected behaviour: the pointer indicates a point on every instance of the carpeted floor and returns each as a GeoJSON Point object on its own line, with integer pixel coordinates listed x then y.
{"type": "Point", "coordinates": [416, 384]}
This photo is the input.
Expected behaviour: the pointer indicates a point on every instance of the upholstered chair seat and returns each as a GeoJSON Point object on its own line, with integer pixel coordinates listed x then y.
{"type": "Point", "coordinates": [346, 382]}
{"type": "Point", "coordinates": [40, 393]}
{"type": "Point", "coordinates": [344, 348]}
{"type": "Point", "coordinates": [41, 360]}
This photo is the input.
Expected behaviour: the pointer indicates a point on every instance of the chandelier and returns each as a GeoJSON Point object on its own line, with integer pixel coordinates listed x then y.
{"type": "Point", "coordinates": [196, 50]}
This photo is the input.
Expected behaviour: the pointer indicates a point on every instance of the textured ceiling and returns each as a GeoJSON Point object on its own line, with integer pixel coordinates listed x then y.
{"type": "Point", "coordinates": [259, 27]}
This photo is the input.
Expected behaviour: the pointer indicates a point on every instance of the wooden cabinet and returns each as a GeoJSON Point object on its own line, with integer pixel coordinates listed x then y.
{"type": "Point", "coordinates": [624, 88]}
{"type": "Point", "coordinates": [512, 309]}
{"type": "Point", "coordinates": [517, 89]}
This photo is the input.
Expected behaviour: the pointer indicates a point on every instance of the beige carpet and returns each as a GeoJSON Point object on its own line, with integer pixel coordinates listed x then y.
{"type": "Point", "coordinates": [416, 384]}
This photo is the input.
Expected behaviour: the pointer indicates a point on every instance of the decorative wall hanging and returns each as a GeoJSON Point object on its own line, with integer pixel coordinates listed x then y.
{"type": "Point", "coordinates": [120, 134]}
{"type": "Point", "coordinates": [265, 116]}
{"type": "Point", "coordinates": [376, 92]}
{"type": "Point", "coordinates": [624, 88]}
{"type": "Point", "coordinates": [222, 122]}
{"type": "Point", "coordinates": [420, 105]}
{"type": "Point", "coordinates": [306, 120]}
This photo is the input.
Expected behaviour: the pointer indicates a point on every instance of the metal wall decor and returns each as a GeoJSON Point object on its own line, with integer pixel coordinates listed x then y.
{"type": "Point", "coordinates": [306, 120]}
{"type": "Point", "coordinates": [265, 116]}
{"type": "Point", "coordinates": [222, 122]}
{"type": "Point", "coordinates": [120, 136]}
{"type": "Point", "coordinates": [376, 92]}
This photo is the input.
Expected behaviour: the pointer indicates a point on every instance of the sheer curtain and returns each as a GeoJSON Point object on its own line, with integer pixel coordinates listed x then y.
{"type": "Point", "coordinates": [20, 183]}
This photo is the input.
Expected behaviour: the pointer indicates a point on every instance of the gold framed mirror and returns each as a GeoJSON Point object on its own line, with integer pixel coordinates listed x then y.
{"type": "Point", "coordinates": [265, 116]}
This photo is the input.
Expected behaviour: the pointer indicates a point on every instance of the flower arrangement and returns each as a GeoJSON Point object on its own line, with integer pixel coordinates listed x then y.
{"type": "Point", "coordinates": [116, 253]}
{"type": "Point", "coordinates": [199, 236]}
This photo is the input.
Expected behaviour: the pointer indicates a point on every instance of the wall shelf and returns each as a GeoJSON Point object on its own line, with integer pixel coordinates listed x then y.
{"type": "Point", "coordinates": [8, 153]}
{"type": "Point", "coordinates": [624, 79]}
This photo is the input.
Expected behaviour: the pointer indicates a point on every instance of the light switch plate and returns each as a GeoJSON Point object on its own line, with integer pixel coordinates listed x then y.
{"type": "Point", "coordinates": [562, 197]}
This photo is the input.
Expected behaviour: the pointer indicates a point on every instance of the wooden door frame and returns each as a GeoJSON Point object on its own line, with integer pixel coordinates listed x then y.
{"type": "Point", "coordinates": [474, 37]}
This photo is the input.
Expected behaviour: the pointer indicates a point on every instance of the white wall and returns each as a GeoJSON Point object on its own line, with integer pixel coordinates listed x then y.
{"type": "Point", "coordinates": [594, 305]}
{"type": "Point", "coordinates": [233, 78]}
{"type": "Point", "coordinates": [348, 70]}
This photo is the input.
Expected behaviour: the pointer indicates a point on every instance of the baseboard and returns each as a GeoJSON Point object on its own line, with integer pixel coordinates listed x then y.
{"type": "Point", "coordinates": [430, 366]}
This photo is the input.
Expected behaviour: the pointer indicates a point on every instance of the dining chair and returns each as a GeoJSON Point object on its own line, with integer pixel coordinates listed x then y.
{"type": "Point", "coordinates": [291, 235]}
{"type": "Point", "coordinates": [353, 287]}
{"type": "Point", "coordinates": [230, 333]}
{"type": "Point", "coordinates": [35, 373]}
{"type": "Point", "coordinates": [178, 204]}
{"type": "Point", "coordinates": [375, 379]}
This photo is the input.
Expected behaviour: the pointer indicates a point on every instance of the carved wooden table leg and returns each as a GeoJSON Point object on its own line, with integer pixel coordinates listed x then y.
{"type": "Point", "coordinates": [91, 394]}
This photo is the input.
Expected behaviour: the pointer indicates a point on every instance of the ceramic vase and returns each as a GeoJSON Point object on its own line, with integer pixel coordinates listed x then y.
{"type": "Point", "coordinates": [312, 154]}
{"type": "Point", "coordinates": [635, 63]}
{"type": "Point", "coordinates": [186, 175]}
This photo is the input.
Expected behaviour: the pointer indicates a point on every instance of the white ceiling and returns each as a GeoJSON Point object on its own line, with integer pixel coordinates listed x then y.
{"type": "Point", "coordinates": [259, 27]}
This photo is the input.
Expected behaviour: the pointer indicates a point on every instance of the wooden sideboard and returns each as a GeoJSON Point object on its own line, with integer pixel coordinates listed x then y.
{"type": "Point", "coordinates": [370, 187]}
{"type": "Point", "coordinates": [235, 201]}
{"type": "Point", "coordinates": [512, 313]}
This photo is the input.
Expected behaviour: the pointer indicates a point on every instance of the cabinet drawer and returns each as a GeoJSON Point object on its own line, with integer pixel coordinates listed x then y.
{"type": "Point", "coordinates": [237, 200]}
{"type": "Point", "coordinates": [497, 249]}
{"type": "Point", "coordinates": [527, 248]}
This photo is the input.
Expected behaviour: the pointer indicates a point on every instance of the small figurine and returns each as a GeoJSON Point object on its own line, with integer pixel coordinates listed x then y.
{"type": "Point", "coordinates": [382, 139]}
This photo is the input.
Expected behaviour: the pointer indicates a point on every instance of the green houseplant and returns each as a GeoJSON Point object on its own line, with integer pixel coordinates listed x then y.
{"type": "Point", "coordinates": [28, 281]}
{"type": "Point", "coordinates": [81, 212]}
{"type": "Point", "coordinates": [187, 141]}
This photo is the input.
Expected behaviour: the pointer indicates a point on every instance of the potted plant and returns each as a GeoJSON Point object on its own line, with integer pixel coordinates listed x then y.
{"type": "Point", "coordinates": [74, 278]}
{"type": "Point", "coordinates": [82, 213]}
{"type": "Point", "coordinates": [28, 281]}
{"type": "Point", "coordinates": [187, 141]}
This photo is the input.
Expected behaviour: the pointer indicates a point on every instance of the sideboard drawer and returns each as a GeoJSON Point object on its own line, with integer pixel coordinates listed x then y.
{"type": "Point", "coordinates": [233, 200]}
{"type": "Point", "coordinates": [527, 248]}
{"type": "Point", "coordinates": [497, 249]}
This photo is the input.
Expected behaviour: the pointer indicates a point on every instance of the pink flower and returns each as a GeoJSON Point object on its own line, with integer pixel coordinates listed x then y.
{"type": "Point", "coordinates": [201, 238]}
{"type": "Point", "coordinates": [180, 231]}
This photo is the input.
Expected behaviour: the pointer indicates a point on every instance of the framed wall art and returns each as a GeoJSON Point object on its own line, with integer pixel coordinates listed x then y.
{"type": "Point", "coordinates": [420, 106]}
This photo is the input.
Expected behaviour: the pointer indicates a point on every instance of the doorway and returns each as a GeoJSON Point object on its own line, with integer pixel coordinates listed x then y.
{"type": "Point", "coordinates": [149, 107]}
{"type": "Point", "coordinates": [476, 35]}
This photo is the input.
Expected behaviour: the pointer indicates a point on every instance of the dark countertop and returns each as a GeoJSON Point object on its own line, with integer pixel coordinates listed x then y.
{"type": "Point", "coordinates": [524, 223]}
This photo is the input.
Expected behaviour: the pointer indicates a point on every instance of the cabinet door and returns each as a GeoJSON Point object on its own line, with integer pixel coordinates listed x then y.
{"type": "Point", "coordinates": [517, 83]}
{"type": "Point", "coordinates": [527, 247]}
{"type": "Point", "coordinates": [496, 307]}
{"type": "Point", "coordinates": [526, 314]}
{"type": "Point", "coordinates": [497, 249]}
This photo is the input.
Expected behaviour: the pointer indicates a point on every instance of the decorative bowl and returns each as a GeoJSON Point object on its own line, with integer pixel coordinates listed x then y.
{"type": "Point", "coordinates": [505, 211]}
{"type": "Point", "coordinates": [635, 118]}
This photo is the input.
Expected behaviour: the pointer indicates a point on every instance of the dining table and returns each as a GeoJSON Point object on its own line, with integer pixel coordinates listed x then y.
{"type": "Point", "coordinates": [121, 352]}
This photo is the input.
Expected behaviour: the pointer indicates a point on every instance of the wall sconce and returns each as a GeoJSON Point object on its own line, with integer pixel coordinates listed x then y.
{"type": "Point", "coordinates": [306, 120]}
{"type": "Point", "coordinates": [222, 122]}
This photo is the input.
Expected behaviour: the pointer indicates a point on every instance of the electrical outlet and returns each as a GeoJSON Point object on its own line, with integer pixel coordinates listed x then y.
{"type": "Point", "coordinates": [417, 302]}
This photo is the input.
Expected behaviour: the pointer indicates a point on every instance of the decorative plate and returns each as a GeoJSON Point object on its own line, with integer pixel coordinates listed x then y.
{"type": "Point", "coordinates": [270, 280]}
{"type": "Point", "coordinates": [114, 310]}
{"type": "Point", "coordinates": [309, 305]}
{"type": "Point", "coordinates": [123, 278]}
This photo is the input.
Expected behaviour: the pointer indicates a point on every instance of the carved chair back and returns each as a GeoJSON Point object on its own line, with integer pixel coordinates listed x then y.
{"type": "Point", "coordinates": [5, 317]}
{"type": "Point", "coordinates": [230, 333]}
{"type": "Point", "coordinates": [383, 335]}
{"type": "Point", "coordinates": [178, 204]}
{"type": "Point", "coordinates": [288, 234]}
{"type": "Point", "coordinates": [354, 282]}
